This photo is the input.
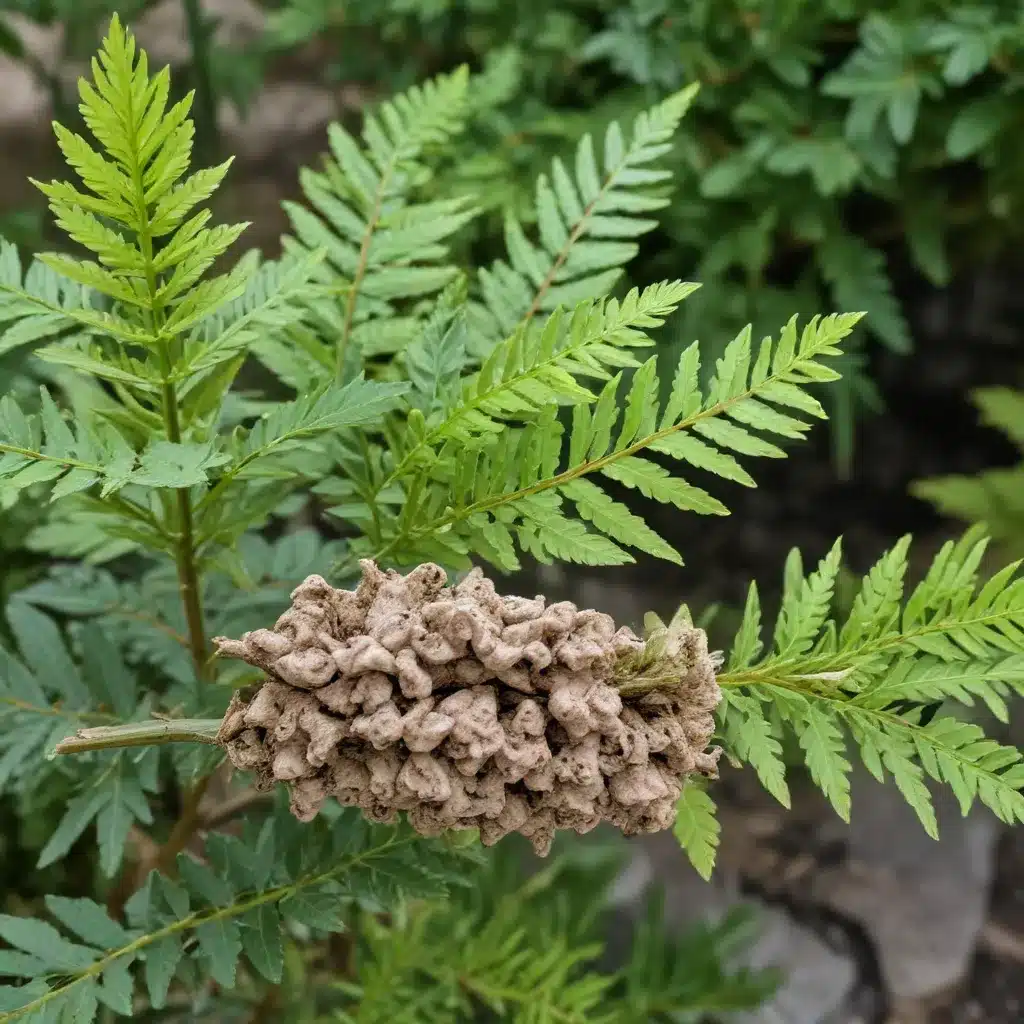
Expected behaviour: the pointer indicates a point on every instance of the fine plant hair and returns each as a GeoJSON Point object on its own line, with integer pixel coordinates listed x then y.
{"type": "Point", "coordinates": [463, 416]}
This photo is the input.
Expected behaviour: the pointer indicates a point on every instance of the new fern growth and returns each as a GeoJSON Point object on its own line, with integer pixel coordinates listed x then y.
{"type": "Point", "coordinates": [440, 415]}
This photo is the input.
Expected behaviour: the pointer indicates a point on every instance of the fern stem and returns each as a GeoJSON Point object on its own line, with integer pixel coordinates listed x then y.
{"type": "Point", "coordinates": [233, 806]}
{"type": "Point", "coordinates": [206, 100]}
{"type": "Point", "coordinates": [189, 820]}
{"type": "Point", "coordinates": [56, 712]}
{"type": "Point", "coordinates": [140, 734]}
{"type": "Point", "coordinates": [361, 266]}
{"type": "Point", "coordinates": [185, 547]}
{"type": "Point", "coordinates": [184, 542]}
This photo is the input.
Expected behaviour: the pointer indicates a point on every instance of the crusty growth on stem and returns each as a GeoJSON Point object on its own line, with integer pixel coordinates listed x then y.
{"type": "Point", "coordinates": [467, 709]}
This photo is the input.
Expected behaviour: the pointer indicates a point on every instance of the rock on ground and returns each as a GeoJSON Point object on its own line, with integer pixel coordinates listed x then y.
{"type": "Point", "coordinates": [818, 980]}
{"type": "Point", "coordinates": [923, 903]}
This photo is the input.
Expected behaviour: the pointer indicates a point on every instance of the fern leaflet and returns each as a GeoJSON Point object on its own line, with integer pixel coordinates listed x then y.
{"type": "Point", "coordinates": [949, 639]}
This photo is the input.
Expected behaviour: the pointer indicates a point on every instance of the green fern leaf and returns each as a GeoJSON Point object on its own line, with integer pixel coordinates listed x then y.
{"type": "Point", "coordinates": [614, 520]}
{"type": "Point", "coordinates": [216, 908]}
{"type": "Point", "coordinates": [697, 828]}
{"type": "Point", "coordinates": [747, 644]}
{"type": "Point", "coordinates": [806, 606]}
{"type": "Point", "coordinates": [381, 247]}
{"type": "Point", "coordinates": [581, 224]}
{"type": "Point", "coordinates": [1002, 409]}
{"type": "Point", "coordinates": [510, 387]}
{"type": "Point", "coordinates": [132, 212]}
{"type": "Point", "coordinates": [654, 481]}
{"type": "Point", "coordinates": [824, 750]}
{"type": "Point", "coordinates": [883, 751]}
{"type": "Point", "coordinates": [859, 280]}
{"type": "Point", "coordinates": [953, 638]}
{"type": "Point", "coordinates": [37, 307]}
{"type": "Point", "coordinates": [357, 403]}
{"type": "Point", "coordinates": [547, 534]}
{"type": "Point", "coordinates": [43, 448]}
{"type": "Point", "coordinates": [752, 739]}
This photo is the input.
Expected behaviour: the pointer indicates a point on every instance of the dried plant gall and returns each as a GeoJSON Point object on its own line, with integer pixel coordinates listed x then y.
{"type": "Point", "coordinates": [467, 709]}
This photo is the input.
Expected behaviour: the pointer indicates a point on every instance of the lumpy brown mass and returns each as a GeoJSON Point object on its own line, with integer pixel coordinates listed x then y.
{"type": "Point", "coordinates": [466, 709]}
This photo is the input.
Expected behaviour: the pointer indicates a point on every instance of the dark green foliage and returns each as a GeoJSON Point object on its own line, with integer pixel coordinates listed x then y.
{"type": "Point", "coordinates": [529, 951]}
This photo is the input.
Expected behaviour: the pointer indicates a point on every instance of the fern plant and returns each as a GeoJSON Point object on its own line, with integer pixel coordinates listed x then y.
{"type": "Point", "coordinates": [438, 415]}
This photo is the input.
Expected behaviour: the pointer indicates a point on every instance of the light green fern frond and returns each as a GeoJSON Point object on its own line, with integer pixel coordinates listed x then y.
{"type": "Point", "coordinates": [994, 496]}
{"type": "Point", "coordinates": [39, 306]}
{"type": "Point", "coordinates": [278, 294]}
{"type": "Point", "coordinates": [1003, 409]}
{"type": "Point", "coordinates": [382, 247]}
{"type": "Point", "coordinates": [586, 223]}
{"type": "Point", "coordinates": [45, 448]}
{"type": "Point", "coordinates": [950, 639]}
{"type": "Point", "coordinates": [494, 472]}
{"type": "Point", "coordinates": [135, 209]}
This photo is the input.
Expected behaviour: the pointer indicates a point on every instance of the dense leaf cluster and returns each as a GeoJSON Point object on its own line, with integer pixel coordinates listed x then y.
{"type": "Point", "coordinates": [831, 143]}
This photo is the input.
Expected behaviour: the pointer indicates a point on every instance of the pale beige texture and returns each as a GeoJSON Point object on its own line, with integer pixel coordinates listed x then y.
{"type": "Point", "coordinates": [467, 709]}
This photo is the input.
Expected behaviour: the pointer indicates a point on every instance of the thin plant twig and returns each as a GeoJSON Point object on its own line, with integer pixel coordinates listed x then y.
{"type": "Point", "coordinates": [140, 734]}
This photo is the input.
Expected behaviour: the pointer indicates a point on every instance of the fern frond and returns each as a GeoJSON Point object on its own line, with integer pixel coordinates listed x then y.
{"type": "Point", "coordinates": [236, 906]}
{"type": "Point", "coordinates": [45, 448]}
{"type": "Point", "coordinates": [276, 294]}
{"type": "Point", "coordinates": [42, 692]}
{"type": "Point", "coordinates": [697, 828]}
{"type": "Point", "coordinates": [135, 210]}
{"type": "Point", "coordinates": [331, 409]}
{"type": "Point", "coordinates": [290, 427]}
{"type": "Point", "coordinates": [39, 306]}
{"type": "Point", "coordinates": [381, 246]}
{"type": "Point", "coordinates": [952, 638]}
{"type": "Point", "coordinates": [585, 223]}
{"type": "Point", "coordinates": [530, 951]}
{"type": "Point", "coordinates": [994, 497]}
{"type": "Point", "coordinates": [753, 738]}
{"type": "Point", "coordinates": [477, 482]}
{"type": "Point", "coordinates": [534, 368]}
{"type": "Point", "coordinates": [859, 280]}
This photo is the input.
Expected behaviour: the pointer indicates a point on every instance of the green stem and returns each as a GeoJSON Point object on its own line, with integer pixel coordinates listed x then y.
{"type": "Point", "coordinates": [184, 539]}
{"type": "Point", "coordinates": [207, 135]}
{"type": "Point", "coordinates": [185, 548]}
{"type": "Point", "coordinates": [140, 734]}
{"type": "Point", "coordinates": [363, 263]}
